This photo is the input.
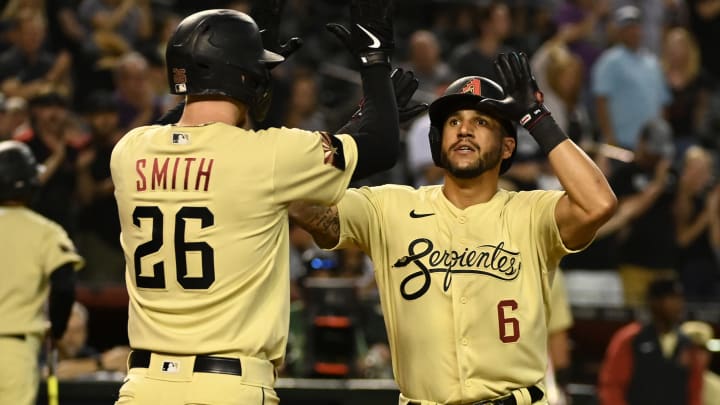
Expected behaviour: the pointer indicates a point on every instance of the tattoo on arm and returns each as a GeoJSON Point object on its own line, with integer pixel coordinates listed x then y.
{"type": "Point", "coordinates": [320, 221]}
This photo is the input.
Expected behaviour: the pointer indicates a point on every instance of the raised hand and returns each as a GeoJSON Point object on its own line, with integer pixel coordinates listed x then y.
{"type": "Point", "coordinates": [405, 84]}
{"type": "Point", "coordinates": [266, 14]}
{"type": "Point", "coordinates": [370, 37]}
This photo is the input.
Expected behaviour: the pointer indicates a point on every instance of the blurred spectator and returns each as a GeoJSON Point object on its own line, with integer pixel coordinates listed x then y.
{"type": "Point", "coordinates": [77, 359]}
{"type": "Point", "coordinates": [649, 362]}
{"type": "Point", "coordinates": [137, 103]}
{"type": "Point", "coordinates": [647, 243]}
{"type": "Point", "coordinates": [698, 269]}
{"type": "Point", "coordinates": [48, 140]}
{"type": "Point", "coordinates": [421, 168]}
{"type": "Point", "coordinates": [98, 219]}
{"type": "Point", "coordinates": [627, 83]}
{"type": "Point", "coordinates": [475, 58]}
{"type": "Point", "coordinates": [129, 21]}
{"type": "Point", "coordinates": [426, 62]}
{"type": "Point", "coordinates": [303, 109]}
{"type": "Point", "coordinates": [27, 69]}
{"type": "Point", "coordinates": [701, 333]}
{"type": "Point", "coordinates": [560, 74]}
{"type": "Point", "coordinates": [704, 21]}
{"type": "Point", "coordinates": [17, 117]}
{"type": "Point", "coordinates": [687, 112]}
{"type": "Point", "coordinates": [580, 25]}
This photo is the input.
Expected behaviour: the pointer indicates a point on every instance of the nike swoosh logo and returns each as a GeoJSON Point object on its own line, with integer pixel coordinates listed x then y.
{"type": "Point", "coordinates": [413, 214]}
{"type": "Point", "coordinates": [375, 41]}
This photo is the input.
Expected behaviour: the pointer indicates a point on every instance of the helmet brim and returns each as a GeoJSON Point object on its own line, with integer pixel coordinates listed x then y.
{"type": "Point", "coordinates": [441, 109]}
{"type": "Point", "coordinates": [271, 59]}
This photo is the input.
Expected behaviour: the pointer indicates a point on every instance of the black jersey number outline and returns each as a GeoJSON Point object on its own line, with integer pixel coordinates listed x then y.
{"type": "Point", "coordinates": [181, 248]}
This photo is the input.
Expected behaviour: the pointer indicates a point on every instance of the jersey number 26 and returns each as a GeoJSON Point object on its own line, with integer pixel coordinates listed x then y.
{"type": "Point", "coordinates": [181, 248]}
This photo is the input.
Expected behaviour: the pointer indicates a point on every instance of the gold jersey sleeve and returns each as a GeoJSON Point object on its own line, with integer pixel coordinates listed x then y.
{"type": "Point", "coordinates": [560, 313]}
{"type": "Point", "coordinates": [465, 292]}
{"type": "Point", "coordinates": [31, 247]}
{"type": "Point", "coordinates": [204, 228]}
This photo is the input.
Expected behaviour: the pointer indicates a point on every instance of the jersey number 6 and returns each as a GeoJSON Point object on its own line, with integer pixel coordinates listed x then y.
{"type": "Point", "coordinates": [509, 328]}
{"type": "Point", "coordinates": [157, 280]}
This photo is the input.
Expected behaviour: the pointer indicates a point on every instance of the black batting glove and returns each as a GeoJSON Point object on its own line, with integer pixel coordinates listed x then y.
{"type": "Point", "coordinates": [523, 102]}
{"type": "Point", "coordinates": [370, 37]}
{"type": "Point", "coordinates": [405, 84]}
{"type": "Point", "coordinates": [266, 14]}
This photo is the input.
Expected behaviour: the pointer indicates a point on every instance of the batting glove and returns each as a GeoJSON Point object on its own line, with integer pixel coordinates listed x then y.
{"type": "Point", "coordinates": [370, 37]}
{"type": "Point", "coordinates": [523, 102]}
{"type": "Point", "coordinates": [405, 84]}
{"type": "Point", "coordinates": [266, 14]}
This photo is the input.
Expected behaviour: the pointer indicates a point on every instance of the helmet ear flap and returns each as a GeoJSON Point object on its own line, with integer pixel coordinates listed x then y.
{"type": "Point", "coordinates": [435, 137]}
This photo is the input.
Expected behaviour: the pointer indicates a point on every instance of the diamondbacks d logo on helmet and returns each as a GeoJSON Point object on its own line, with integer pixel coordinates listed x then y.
{"type": "Point", "coordinates": [473, 87]}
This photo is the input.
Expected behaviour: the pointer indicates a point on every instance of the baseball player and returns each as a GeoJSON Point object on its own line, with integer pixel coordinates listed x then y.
{"type": "Point", "coordinates": [39, 260]}
{"type": "Point", "coordinates": [464, 268]}
{"type": "Point", "coordinates": [203, 208]}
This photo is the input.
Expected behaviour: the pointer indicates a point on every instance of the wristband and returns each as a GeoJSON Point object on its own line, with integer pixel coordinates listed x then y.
{"type": "Point", "coordinates": [545, 130]}
{"type": "Point", "coordinates": [374, 58]}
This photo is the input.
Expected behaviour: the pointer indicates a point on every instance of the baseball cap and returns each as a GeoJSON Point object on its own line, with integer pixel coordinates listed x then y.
{"type": "Point", "coordinates": [664, 287]}
{"type": "Point", "coordinates": [627, 15]}
{"type": "Point", "coordinates": [658, 137]}
{"type": "Point", "coordinates": [700, 333]}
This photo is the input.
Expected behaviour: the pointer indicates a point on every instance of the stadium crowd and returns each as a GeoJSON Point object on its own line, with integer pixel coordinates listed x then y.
{"type": "Point", "coordinates": [637, 87]}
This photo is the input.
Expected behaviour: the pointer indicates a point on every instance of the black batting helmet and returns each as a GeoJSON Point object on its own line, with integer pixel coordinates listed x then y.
{"type": "Point", "coordinates": [220, 52]}
{"type": "Point", "coordinates": [465, 94]}
{"type": "Point", "coordinates": [18, 171]}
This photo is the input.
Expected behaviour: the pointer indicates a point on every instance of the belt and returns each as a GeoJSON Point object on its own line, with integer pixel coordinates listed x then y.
{"type": "Point", "coordinates": [20, 337]}
{"type": "Point", "coordinates": [536, 394]}
{"type": "Point", "coordinates": [203, 364]}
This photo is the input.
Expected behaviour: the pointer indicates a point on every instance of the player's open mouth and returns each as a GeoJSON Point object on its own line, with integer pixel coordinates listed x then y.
{"type": "Point", "coordinates": [464, 148]}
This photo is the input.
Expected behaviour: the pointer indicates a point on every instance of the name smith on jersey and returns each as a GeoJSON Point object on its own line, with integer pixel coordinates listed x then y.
{"type": "Point", "coordinates": [178, 173]}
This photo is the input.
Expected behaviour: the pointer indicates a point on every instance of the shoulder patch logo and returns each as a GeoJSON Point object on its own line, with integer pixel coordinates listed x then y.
{"type": "Point", "coordinates": [333, 152]}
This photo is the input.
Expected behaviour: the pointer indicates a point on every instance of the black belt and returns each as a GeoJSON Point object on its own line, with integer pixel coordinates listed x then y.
{"type": "Point", "coordinates": [203, 364]}
{"type": "Point", "coordinates": [20, 337]}
{"type": "Point", "coordinates": [536, 394]}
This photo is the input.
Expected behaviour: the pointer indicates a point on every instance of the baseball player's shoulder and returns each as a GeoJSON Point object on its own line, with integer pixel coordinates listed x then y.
{"type": "Point", "coordinates": [134, 135]}
{"type": "Point", "coordinates": [394, 191]}
{"type": "Point", "coordinates": [34, 223]}
{"type": "Point", "coordinates": [531, 196]}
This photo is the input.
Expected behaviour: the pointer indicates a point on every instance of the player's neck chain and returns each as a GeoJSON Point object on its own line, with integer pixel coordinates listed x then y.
{"type": "Point", "coordinates": [488, 260]}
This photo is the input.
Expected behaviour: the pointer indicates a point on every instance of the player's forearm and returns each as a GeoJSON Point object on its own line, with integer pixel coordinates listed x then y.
{"type": "Point", "coordinates": [62, 297]}
{"type": "Point", "coordinates": [592, 200]}
{"type": "Point", "coordinates": [319, 221]}
{"type": "Point", "coordinates": [378, 134]}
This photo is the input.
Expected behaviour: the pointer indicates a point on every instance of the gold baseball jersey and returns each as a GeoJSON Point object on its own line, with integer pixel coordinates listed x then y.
{"type": "Point", "coordinates": [560, 314]}
{"type": "Point", "coordinates": [31, 247]}
{"type": "Point", "coordinates": [204, 228]}
{"type": "Point", "coordinates": [465, 292]}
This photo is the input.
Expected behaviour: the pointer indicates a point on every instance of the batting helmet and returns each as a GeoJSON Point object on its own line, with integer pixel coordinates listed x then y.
{"type": "Point", "coordinates": [220, 52]}
{"type": "Point", "coordinates": [18, 171]}
{"type": "Point", "coordinates": [465, 94]}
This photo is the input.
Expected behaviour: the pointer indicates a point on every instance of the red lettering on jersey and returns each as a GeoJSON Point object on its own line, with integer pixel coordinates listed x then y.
{"type": "Point", "coordinates": [188, 163]}
{"type": "Point", "coordinates": [204, 173]}
{"type": "Point", "coordinates": [141, 183]}
{"type": "Point", "coordinates": [163, 177]}
{"type": "Point", "coordinates": [174, 175]}
{"type": "Point", "coordinates": [159, 174]}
